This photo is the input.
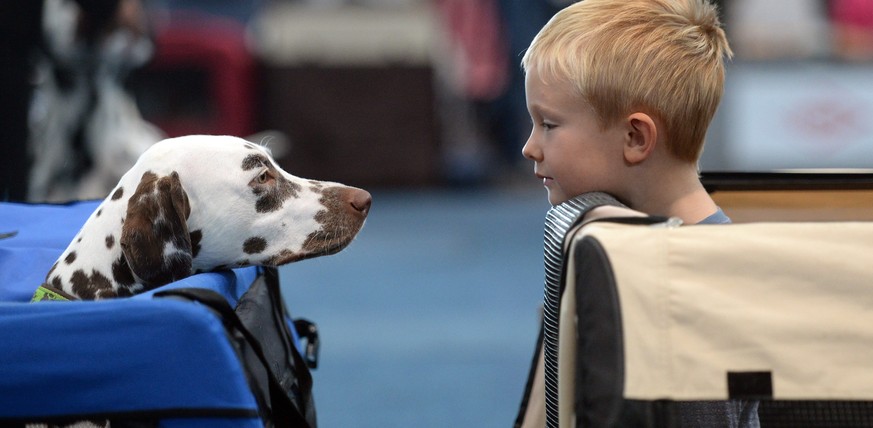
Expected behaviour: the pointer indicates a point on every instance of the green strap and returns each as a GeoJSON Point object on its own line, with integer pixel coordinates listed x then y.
{"type": "Point", "coordinates": [44, 293]}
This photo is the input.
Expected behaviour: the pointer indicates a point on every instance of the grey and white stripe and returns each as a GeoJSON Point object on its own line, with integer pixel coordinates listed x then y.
{"type": "Point", "coordinates": [559, 220]}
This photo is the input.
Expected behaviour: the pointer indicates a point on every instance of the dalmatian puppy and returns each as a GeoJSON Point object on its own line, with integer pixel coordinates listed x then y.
{"type": "Point", "coordinates": [201, 203]}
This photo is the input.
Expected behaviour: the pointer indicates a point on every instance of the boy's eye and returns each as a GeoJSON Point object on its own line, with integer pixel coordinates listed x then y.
{"type": "Point", "coordinates": [547, 126]}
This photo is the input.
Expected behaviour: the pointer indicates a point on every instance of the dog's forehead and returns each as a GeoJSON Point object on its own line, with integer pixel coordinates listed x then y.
{"type": "Point", "coordinates": [216, 150]}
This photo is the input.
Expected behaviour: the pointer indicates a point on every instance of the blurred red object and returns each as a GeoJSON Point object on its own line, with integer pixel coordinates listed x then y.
{"type": "Point", "coordinates": [215, 48]}
{"type": "Point", "coordinates": [479, 49]}
{"type": "Point", "coordinates": [853, 28]}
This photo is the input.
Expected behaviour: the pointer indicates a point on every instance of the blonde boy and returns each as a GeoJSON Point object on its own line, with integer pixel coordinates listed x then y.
{"type": "Point", "coordinates": [621, 93]}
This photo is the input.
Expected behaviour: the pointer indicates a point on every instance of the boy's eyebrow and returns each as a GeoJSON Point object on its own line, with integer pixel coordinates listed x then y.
{"type": "Point", "coordinates": [542, 110]}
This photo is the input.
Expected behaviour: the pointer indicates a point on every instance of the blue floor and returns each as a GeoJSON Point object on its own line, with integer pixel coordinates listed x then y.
{"type": "Point", "coordinates": [430, 317]}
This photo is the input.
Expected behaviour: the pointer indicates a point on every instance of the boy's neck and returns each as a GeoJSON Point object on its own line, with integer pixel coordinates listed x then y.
{"type": "Point", "coordinates": [677, 193]}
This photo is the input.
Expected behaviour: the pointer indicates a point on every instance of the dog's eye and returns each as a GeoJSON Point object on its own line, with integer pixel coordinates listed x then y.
{"type": "Point", "coordinates": [264, 177]}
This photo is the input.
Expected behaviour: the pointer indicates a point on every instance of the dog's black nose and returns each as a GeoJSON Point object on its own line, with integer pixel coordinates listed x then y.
{"type": "Point", "coordinates": [360, 201]}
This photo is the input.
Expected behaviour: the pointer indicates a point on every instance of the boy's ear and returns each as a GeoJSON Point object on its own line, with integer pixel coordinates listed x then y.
{"type": "Point", "coordinates": [642, 136]}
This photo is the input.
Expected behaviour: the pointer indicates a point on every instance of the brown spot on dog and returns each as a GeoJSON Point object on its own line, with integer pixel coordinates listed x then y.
{"type": "Point", "coordinates": [110, 241]}
{"type": "Point", "coordinates": [337, 228]}
{"type": "Point", "coordinates": [56, 282]}
{"type": "Point", "coordinates": [87, 286]}
{"type": "Point", "coordinates": [272, 191]}
{"type": "Point", "coordinates": [156, 221]}
{"type": "Point", "coordinates": [79, 239]}
{"type": "Point", "coordinates": [70, 258]}
{"type": "Point", "coordinates": [315, 241]}
{"type": "Point", "coordinates": [254, 245]}
{"type": "Point", "coordinates": [283, 257]}
{"type": "Point", "coordinates": [118, 193]}
{"type": "Point", "coordinates": [272, 199]}
{"type": "Point", "coordinates": [100, 211]}
{"type": "Point", "coordinates": [253, 161]}
{"type": "Point", "coordinates": [121, 272]}
{"type": "Point", "coordinates": [196, 237]}
{"type": "Point", "coordinates": [107, 294]}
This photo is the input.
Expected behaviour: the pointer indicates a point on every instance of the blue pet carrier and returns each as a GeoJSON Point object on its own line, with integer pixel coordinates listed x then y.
{"type": "Point", "coordinates": [213, 350]}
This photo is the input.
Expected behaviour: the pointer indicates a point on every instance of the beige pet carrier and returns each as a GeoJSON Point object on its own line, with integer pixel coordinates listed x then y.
{"type": "Point", "coordinates": [656, 315]}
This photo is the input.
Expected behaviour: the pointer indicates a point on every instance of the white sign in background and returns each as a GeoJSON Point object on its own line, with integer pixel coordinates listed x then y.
{"type": "Point", "coordinates": [796, 116]}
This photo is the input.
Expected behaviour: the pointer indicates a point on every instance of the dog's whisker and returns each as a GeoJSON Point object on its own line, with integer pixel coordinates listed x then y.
{"type": "Point", "coordinates": [265, 140]}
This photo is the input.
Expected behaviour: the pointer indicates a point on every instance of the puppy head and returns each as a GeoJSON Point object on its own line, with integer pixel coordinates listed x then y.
{"type": "Point", "coordinates": [239, 207]}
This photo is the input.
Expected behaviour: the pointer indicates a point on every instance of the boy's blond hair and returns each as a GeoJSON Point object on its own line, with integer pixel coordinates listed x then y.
{"type": "Point", "coordinates": [662, 57]}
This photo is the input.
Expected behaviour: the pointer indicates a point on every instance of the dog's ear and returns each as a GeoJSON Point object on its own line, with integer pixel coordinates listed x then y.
{"type": "Point", "coordinates": [154, 237]}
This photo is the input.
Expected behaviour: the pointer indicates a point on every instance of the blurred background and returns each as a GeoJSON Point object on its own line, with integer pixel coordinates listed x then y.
{"type": "Point", "coordinates": [387, 93]}
{"type": "Point", "coordinates": [430, 317]}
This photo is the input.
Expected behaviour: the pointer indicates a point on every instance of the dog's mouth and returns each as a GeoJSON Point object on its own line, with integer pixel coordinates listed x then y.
{"type": "Point", "coordinates": [320, 243]}
{"type": "Point", "coordinates": [288, 256]}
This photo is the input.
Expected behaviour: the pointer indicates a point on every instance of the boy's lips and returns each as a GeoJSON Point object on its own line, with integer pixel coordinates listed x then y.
{"type": "Point", "coordinates": [546, 179]}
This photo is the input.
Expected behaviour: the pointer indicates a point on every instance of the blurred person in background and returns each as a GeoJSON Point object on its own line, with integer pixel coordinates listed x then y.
{"type": "Point", "coordinates": [64, 107]}
{"type": "Point", "coordinates": [521, 21]}
{"type": "Point", "coordinates": [85, 127]}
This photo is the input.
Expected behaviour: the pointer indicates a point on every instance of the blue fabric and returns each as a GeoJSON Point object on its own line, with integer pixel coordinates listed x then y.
{"type": "Point", "coordinates": [42, 234]}
{"type": "Point", "coordinates": [718, 217]}
{"type": "Point", "coordinates": [122, 355]}
{"type": "Point", "coordinates": [126, 355]}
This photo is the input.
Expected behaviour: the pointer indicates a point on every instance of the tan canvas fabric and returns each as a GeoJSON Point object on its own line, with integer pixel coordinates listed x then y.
{"type": "Point", "coordinates": [535, 415]}
{"type": "Point", "coordinates": [794, 299]}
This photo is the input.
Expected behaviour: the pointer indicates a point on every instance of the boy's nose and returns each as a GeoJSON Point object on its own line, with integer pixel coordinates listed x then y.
{"type": "Point", "coordinates": [530, 151]}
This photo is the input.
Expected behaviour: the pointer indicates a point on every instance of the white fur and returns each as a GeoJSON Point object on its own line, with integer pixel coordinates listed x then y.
{"type": "Point", "coordinates": [223, 207]}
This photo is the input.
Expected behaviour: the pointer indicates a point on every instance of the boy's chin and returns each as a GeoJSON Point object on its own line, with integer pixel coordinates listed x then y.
{"type": "Point", "coordinates": [556, 198]}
